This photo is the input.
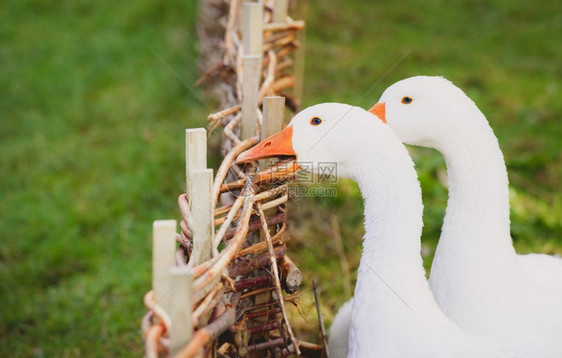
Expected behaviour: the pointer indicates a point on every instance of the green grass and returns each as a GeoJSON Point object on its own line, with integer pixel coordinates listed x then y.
{"type": "Point", "coordinates": [91, 143]}
{"type": "Point", "coordinates": [92, 152]}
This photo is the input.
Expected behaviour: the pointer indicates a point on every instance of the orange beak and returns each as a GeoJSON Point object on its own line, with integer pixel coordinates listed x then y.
{"type": "Point", "coordinates": [279, 144]}
{"type": "Point", "coordinates": [379, 110]}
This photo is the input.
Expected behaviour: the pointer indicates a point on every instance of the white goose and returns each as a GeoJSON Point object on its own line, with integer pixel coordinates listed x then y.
{"type": "Point", "coordinates": [432, 112]}
{"type": "Point", "coordinates": [394, 313]}
{"type": "Point", "coordinates": [477, 279]}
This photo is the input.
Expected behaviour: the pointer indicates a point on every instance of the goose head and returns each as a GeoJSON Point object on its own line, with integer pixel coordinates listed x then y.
{"type": "Point", "coordinates": [427, 111]}
{"type": "Point", "coordinates": [328, 134]}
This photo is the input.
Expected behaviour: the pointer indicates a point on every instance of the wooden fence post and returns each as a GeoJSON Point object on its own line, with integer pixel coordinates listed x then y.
{"type": "Point", "coordinates": [181, 308]}
{"type": "Point", "coordinates": [273, 115]}
{"type": "Point", "coordinates": [252, 28]}
{"type": "Point", "coordinates": [199, 181]}
{"type": "Point", "coordinates": [195, 154]}
{"type": "Point", "coordinates": [240, 5]}
{"type": "Point", "coordinates": [163, 256]}
{"type": "Point", "coordinates": [273, 118]}
{"type": "Point", "coordinates": [250, 87]}
{"type": "Point", "coordinates": [252, 39]}
{"type": "Point", "coordinates": [203, 215]}
{"type": "Point", "coordinates": [280, 8]}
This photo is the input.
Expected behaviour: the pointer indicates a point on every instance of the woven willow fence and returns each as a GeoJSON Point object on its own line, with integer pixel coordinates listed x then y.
{"type": "Point", "coordinates": [221, 285]}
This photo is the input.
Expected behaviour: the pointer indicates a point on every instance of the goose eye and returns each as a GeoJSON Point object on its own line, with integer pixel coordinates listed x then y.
{"type": "Point", "coordinates": [407, 100]}
{"type": "Point", "coordinates": [315, 121]}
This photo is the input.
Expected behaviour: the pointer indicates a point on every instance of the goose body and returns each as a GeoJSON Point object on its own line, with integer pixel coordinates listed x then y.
{"type": "Point", "coordinates": [394, 313]}
{"type": "Point", "coordinates": [338, 336]}
{"type": "Point", "coordinates": [543, 270]}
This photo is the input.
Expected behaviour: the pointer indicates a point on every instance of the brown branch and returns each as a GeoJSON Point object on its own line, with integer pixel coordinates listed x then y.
{"type": "Point", "coordinates": [286, 51]}
{"type": "Point", "coordinates": [285, 64]}
{"type": "Point", "coordinates": [255, 225]}
{"type": "Point", "coordinates": [185, 211]}
{"type": "Point", "coordinates": [292, 276]}
{"type": "Point", "coordinates": [181, 258]}
{"type": "Point", "coordinates": [183, 240]}
{"type": "Point", "coordinates": [256, 292]}
{"type": "Point", "coordinates": [186, 233]}
{"type": "Point", "coordinates": [203, 267]}
{"type": "Point", "coordinates": [223, 210]}
{"type": "Point", "coordinates": [226, 221]}
{"type": "Point", "coordinates": [274, 343]}
{"type": "Point", "coordinates": [282, 189]}
{"type": "Point", "coordinates": [296, 25]}
{"type": "Point", "coordinates": [219, 116]}
{"type": "Point", "coordinates": [151, 343]}
{"type": "Point", "coordinates": [274, 203]}
{"type": "Point", "coordinates": [262, 246]}
{"type": "Point", "coordinates": [229, 129]}
{"type": "Point", "coordinates": [285, 40]}
{"type": "Point", "coordinates": [276, 277]}
{"type": "Point", "coordinates": [146, 323]}
{"type": "Point", "coordinates": [265, 327]}
{"type": "Point", "coordinates": [208, 303]}
{"type": "Point", "coordinates": [320, 319]}
{"type": "Point", "coordinates": [270, 37]}
{"type": "Point", "coordinates": [159, 312]}
{"type": "Point", "coordinates": [243, 267]}
{"type": "Point", "coordinates": [266, 312]}
{"type": "Point", "coordinates": [310, 350]}
{"type": "Point", "coordinates": [252, 283]}
{"type": "Point", "coordinates": [265, 88]}
{"type": "Point", "coordinates": [276, 174]}
{"type": "Point", "coordinates": [283, 83]}
{"type": "Point", "coordinates": [206, 334]}
{"type": "Point", "coordinates": [202, 292]}
{"type": "Point", "coordinates": [210, 73]}
{"type": "Point", "coordinates": [227, 162]}
{"type": "Point", "coordinates": [235, 215]}
{"type": "Point", "coordinates": [228, 44]}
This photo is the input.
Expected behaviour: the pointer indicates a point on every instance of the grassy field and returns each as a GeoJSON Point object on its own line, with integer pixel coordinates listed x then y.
{"type": "Point", "coordinates": [91, 143]}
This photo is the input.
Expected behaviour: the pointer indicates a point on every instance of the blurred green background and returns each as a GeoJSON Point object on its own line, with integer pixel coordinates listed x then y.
{"type": "Point", "coordinates": [92, 113]}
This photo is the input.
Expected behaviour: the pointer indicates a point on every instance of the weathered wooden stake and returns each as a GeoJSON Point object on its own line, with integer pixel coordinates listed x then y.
{"type": "Point", "coordinates": [252, 28]}
{"type": "Point", "coordinates": [198, 187]}
{"type": "Point", "coordinates": [273, 117]}
{"type": "Point", "coordinates": [240, 5]}
{"type": "Point", "coordinates": [280, 8]}
{"type": "Point", "coordinates": [163, 252]}
{"type": "Point", "coordinates": [180, 308]}
{"type": "Point", "coordinates": [250, 88]}
{"type": "Point", "coordinates": [195, 154]}
{"type": "Point", "coordinates": [203, 215]}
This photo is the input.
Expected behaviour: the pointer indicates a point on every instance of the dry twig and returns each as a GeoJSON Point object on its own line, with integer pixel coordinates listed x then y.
{"type": "Point", "coordinates": [276, 278]}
